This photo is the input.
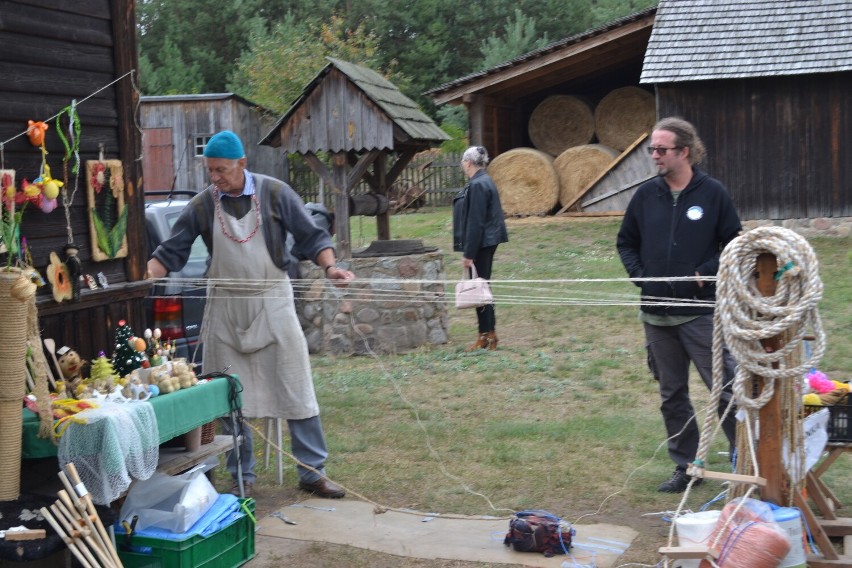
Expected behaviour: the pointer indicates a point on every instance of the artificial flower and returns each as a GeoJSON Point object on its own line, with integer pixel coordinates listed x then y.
{"type": "Point", "coordinates": [98, 176]}
{"type": "Point", "coordinates": [57, 275]}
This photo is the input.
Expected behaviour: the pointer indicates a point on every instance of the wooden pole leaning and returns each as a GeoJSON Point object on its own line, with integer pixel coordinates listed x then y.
{"type": "Point", "coordinates": [69, 542]}
{"type": "Point", "coordinates": [75, 527]}
{"type": "Point", "coordinates": [84, 524]}
{"type": "Point", "coordinates": [73, 503]}
{"type": "Point", "coordinates": [82, 493]}
{"type": "Point", "coordinates": [73, 532]}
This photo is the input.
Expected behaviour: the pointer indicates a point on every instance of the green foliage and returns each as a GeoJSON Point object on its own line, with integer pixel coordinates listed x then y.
{"type": "Point", "coordinates": [253, 47]}
{"type": "Point", "coordinates": [279, 63]}
{"type": "Point", "coordinates": [519, 37]}
{"type": "Point", "coordinates": [172, 76]}
{"type": "Point", "coordinates": [191, 45]}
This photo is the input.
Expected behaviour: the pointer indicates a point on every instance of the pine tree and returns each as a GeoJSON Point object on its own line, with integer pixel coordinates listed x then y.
{"type": "Point", "coordinates": [125, 357]}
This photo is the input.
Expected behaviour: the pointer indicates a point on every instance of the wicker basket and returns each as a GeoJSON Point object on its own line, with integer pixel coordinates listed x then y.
{"type": "Point", "coordinates": [208, 432]}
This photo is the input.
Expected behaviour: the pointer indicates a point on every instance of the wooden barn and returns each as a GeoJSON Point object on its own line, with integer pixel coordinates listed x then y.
{"type": "Point", "coordinates": [767, 84]}
{"type": "Point", "coordinates": [772, 107]}
{"type": "Point", "coordinates": [501, 100]}
{"type": "Point", "coordinates": [176, 129]}
{"type": "Point", "coordinates": [76, 58]}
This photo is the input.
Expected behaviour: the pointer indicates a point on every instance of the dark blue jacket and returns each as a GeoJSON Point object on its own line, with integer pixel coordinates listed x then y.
{"type": "Point", "coordinates": [478, 216]}
{"type": "Point", "coordinates": [659, 237]}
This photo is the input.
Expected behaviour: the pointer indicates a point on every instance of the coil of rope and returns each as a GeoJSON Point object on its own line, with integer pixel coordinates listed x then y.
{"type": "Point", "coordinates": [747, 317]}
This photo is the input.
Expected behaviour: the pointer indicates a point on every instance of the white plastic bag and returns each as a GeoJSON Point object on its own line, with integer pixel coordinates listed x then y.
{"type": "Point", "coordinates": [168, 502]}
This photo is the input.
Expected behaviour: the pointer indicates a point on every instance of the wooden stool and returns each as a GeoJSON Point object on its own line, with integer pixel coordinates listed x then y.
{"type": "Point", "coordinates": [273, 432]}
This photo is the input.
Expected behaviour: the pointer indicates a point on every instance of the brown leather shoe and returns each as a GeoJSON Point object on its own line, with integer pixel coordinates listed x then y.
{"type": "Point", "coordinates": [248, 487]}
{"type": "Point", "coordinates": [323, 488]}
{"type": "Point", "coordinates": [491, 340]}
{"type": "Point", "coordinates": [481, 343]}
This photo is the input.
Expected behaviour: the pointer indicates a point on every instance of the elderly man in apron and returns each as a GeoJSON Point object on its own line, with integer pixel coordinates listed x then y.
{"type": "Point", "coordinates": [250, 322]}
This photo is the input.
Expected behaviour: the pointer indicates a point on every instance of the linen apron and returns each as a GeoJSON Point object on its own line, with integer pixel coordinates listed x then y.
{"type": "Point", "coordinates": [250, 323]}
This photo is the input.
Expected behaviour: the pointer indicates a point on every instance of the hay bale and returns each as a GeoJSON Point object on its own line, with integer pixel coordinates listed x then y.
{"type": "Point", "coordinates": [623, 115]}
{"type": "Point", "coordinates": [578, 167]}
{"type": "Point", "coordinates": [526, 181]}
{"type": "Point", "coordinates": [559, 122]}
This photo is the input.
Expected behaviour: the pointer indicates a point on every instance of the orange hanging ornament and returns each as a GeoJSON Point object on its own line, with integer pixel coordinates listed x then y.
{"type": "Point", "coordinates": [35, 131]}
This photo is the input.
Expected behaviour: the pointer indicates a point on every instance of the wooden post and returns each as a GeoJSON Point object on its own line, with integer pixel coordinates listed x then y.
{"type": "Point", "coordinates": [383, 219]}
{"type": "Point", "coordinates": [341, 205]}
{"type": "Point", "coordinates": [769, 446]}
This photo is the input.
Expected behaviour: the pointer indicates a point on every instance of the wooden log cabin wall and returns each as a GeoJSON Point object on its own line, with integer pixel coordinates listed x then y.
{"type": "Point", "coordinates": [53, 53]}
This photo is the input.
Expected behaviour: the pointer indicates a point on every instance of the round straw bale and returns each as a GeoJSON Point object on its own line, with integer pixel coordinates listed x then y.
{"type": "Point", "coordinates": [526, 181]}
{"type": "Point", "coordinates": [579, 166]}
{"type": "Point", "coordinates": [559, 122]}
{"type": "Point", "coordinates": [624, 115]}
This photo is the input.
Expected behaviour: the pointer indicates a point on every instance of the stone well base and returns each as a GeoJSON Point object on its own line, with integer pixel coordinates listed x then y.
{"type": "Point", "coordinates": [379, 311]}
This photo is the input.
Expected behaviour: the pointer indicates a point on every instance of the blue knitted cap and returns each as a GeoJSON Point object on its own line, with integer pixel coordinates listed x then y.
{"type": "Point", "coordinates": [224, 144]}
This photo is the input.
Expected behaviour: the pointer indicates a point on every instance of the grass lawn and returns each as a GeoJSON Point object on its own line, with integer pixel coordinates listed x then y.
{"type": "Point", "coordinates": [563, 416]}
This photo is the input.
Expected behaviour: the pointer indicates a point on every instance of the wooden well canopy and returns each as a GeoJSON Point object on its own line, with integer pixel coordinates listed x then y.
{"type": "Point", "coordinates": [370, 128]}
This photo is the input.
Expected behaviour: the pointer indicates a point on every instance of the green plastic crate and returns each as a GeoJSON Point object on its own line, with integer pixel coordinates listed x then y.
{"type": "Point", "coordinates": [230, 547]}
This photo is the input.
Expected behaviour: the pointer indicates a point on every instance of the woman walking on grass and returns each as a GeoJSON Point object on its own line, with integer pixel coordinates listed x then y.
{"type": "Point", "coordinates": [478, 227]}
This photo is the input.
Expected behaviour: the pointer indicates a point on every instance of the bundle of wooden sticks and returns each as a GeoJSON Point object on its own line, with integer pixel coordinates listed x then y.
{"type": "Point", "coordinates": [75, 519]}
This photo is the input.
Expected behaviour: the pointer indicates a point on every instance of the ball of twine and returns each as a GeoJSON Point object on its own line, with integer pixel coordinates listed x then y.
{"type": "Point", "coordinates": [746, 317]}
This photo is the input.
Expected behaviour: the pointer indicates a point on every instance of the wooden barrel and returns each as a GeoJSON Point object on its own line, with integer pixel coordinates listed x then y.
{"type": "Point", "coordinates": [624, 115]}
{"type": "Point", "coordinates": [578, 167]}
{"type": "Point", "coordinates": [559, 122]}
{"type": "Point", "coordinates": [526, 181]}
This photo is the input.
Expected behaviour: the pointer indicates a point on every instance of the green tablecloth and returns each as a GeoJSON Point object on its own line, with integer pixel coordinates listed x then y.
{"type": "Point", "coordinates": [177, 413]}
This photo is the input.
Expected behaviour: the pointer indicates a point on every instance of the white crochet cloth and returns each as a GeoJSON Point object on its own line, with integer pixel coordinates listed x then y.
{"type": "Point", "coordinates": [109, 445]}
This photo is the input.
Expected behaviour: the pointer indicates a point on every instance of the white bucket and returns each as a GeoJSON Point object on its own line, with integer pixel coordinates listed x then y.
{"type": "Point", "coordinates": [693, 529]}
{"type": "Point", "coordinates": [790, 520]}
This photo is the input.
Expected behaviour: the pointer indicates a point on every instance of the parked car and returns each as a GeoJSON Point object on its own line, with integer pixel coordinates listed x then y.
{"type": "Point", "coordinates": [178, 308]}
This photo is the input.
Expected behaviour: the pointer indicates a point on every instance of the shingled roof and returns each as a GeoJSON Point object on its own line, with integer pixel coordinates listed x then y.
{"type": "Point", "coordinates": [714, 39]}
{"type": "Point", "coordinates": [400, 109]}
{"type": "Point", "coordinates": [550, 61]}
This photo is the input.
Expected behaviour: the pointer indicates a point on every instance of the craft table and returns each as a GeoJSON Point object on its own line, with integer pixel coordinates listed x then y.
{"type": "Point", "coordinates": [177, 413]}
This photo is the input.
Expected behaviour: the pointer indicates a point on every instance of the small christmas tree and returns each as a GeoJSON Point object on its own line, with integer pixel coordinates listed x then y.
{"type": "Point", "coordinates": [125, 357]}
{"type": "Point", "coordinates": [102, 373]}
{"type": "Point", "coordinates": [102, 369]}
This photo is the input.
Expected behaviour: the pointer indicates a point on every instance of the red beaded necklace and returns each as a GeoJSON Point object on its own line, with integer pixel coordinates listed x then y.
{"type": "Point", "coordinates": [218, 207]}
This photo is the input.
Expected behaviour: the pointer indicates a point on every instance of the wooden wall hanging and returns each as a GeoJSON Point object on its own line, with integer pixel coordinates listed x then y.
{"type": "Point", "coordinates": [107, 210]}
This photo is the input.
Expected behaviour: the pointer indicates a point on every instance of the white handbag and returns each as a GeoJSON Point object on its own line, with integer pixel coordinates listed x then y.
{"type": "Point", "coordinates": [473, 292]}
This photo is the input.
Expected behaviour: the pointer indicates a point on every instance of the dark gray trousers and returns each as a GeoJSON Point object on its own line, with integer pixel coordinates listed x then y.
{"type": "Point", "coordinates": [670, 350]}
{"type": "Point", "coordinates": [307, 443]}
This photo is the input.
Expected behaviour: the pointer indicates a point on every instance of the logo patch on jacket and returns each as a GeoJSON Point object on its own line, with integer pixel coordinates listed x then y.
{"type": "Point", "coordinates": [694, 213]}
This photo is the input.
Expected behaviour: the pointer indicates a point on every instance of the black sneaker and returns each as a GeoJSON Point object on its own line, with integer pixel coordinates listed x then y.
{"type": "Point", "coordinates": [678, 482]}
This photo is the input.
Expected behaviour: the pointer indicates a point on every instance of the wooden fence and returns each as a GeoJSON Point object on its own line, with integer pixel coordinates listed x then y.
{"type": "Point", "coordinates": [438, 176]}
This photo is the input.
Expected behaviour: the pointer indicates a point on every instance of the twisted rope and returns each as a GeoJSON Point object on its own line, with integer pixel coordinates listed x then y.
{"type": "Point", "coordinates": [744, 317]}
{"type": "Point", "coordinates": [747, 317]}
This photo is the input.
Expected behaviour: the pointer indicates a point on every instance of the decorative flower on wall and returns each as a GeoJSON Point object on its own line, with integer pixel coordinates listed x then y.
{"type": "Point", "coordinates": [57, 275]}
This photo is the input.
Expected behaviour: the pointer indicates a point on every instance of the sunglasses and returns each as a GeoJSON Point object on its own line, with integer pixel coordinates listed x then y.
{"type": "Point", "coordinates": [661, 150]}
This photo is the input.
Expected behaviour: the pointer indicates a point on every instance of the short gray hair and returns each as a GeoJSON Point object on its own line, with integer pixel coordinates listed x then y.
{"type": "Point", "coordinates": [476, 155]}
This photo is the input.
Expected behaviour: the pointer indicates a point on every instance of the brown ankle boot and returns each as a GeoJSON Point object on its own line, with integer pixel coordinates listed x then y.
{"type": "Point", "coordinates": [491, 340]}
{"type": "Point", "coordinates": [481, 343]}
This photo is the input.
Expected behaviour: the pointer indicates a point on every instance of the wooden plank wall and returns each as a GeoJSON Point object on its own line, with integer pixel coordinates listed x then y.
{"type": "Point", "coordinates": [190, 118]}
{"type": "Point", "coordinates": [782, 145]}
{"type": "Point", "coordinates": [50, 54]}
